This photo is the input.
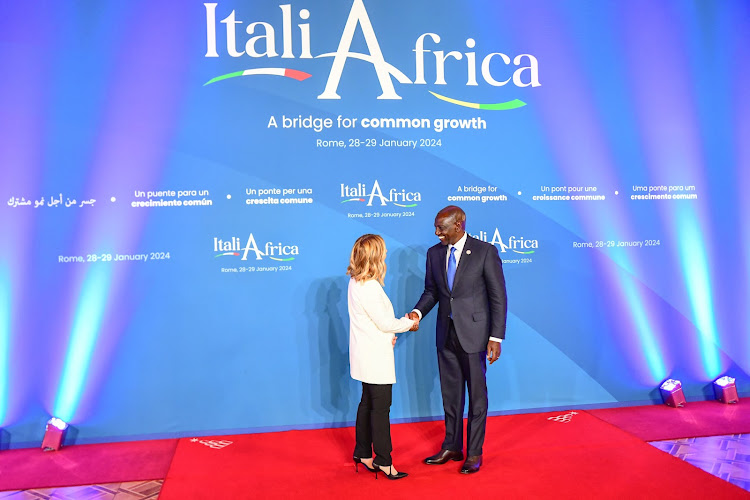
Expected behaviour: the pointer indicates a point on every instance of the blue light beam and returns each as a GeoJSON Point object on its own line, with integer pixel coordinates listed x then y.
{"type": "Point", "coordinates": [695, 269]}
{"type": "Point", "coordinates": [84, 333]}
{"type": "Point", "coordinates": [646, 334]}
{"type": "Point", "coordinates": [5, 322]}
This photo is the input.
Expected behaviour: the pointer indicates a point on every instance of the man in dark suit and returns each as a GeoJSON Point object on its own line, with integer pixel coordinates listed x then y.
{"type": "Point", "coordinates": [464, 277]}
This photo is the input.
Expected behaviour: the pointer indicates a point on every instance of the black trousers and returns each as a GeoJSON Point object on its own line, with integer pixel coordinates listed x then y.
{"type": "Point", "coordinates": [460, 370]}
{"type": "Point", "coordinates": [373, 428]}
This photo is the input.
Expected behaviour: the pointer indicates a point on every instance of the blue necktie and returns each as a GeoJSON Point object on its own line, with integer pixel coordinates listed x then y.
{"type": "Point", "coordinates": [451, 268]}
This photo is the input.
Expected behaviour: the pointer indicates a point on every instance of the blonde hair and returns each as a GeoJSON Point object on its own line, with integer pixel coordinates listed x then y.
{"type": "Point", "coordinates": [367, 260]}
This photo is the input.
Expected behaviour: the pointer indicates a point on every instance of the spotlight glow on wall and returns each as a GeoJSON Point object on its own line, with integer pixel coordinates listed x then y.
{"type": "Point", "coordinates": [5, 322]}
{"type": "Point", "coordinates": [646, 334]}
{"type": "Point", "coordinates": [83, 337]}
{"type": "Point", "coordinates": [696, 270]}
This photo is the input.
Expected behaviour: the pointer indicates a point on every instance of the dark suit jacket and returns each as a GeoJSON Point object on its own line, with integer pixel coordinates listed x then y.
{"type": "Point", "coordinates": [478, 300]}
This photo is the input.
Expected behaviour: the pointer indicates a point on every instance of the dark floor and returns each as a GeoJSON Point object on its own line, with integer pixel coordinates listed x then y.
{"type": "Point", "coordinates": [117, 491]}
{"type": "Point", "coordinates": [726, 457]}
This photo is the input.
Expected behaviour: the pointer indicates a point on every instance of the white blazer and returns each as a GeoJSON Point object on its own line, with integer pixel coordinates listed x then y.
{"type": "Point", "coordinates": [372, 325]}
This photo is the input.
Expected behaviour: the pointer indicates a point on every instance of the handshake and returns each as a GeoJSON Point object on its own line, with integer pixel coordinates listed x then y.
{"type": "Point", "coordinates": [415, 318]}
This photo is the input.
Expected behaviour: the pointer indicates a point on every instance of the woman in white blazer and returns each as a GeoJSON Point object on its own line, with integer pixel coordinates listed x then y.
{"type": "Point", "coordinates": [372, 329]}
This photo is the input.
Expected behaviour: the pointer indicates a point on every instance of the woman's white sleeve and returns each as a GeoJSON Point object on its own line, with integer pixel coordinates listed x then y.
{"type": "Point", "coordinates": [378, 307]}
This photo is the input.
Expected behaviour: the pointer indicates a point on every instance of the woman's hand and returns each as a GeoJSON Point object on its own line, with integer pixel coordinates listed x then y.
{"type": "Point", "coordinates": [415, 318]}
{"type": "Point", "coordinates": [393, 342]}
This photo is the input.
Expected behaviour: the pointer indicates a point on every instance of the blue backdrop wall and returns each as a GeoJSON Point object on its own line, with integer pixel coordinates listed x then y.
{"type": "Point", "coordinates": [182, 182]}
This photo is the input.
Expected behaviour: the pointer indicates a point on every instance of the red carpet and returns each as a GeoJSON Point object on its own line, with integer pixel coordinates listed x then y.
{"type": "Point", "coordinates": [526, 456]}
{"type": "Point", "coordinates": [660, 422]}
{"type": "Point", "coordinates": [85, 464]}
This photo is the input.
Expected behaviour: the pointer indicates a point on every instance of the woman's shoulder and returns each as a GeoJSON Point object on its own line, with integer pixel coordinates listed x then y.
{"type": "Point", "coordinates": [370, 284]}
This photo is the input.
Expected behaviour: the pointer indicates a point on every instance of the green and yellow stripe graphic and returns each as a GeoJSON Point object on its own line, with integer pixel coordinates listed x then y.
{"type": "Point", "coordinates": [499, 106]}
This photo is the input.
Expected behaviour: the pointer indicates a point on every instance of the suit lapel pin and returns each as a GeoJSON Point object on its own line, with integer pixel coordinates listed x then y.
{"type": "Point", "coordinates": [468, 252]}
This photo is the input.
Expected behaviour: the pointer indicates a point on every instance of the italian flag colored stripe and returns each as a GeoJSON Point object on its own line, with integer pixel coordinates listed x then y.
{"type": "Point", "coordinates": [499, 106]}
{"type": "Point", "coordinates": [296, 74]}
{"type": "Point", "coordinates": [287, 72]}
{"type": "Point", "coordinates": [226, 253]}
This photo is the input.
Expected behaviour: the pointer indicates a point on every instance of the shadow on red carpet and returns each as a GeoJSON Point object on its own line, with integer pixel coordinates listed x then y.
{"type": "Point", "coordinates": [525, 456]}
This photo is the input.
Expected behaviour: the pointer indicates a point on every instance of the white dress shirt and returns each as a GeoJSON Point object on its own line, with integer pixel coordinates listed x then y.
{"type": "Point", "coordinates": [372, 325]}
{"type": "Point", "coordinates": [459, 250]}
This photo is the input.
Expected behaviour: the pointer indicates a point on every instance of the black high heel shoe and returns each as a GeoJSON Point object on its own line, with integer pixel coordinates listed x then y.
{"type": "Point", "coordinates": [358, 461]}
{"type": "Point", "coordinates": [398, 475]}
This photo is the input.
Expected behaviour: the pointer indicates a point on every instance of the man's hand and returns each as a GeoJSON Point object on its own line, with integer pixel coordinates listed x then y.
{"type": "Point", "coordinates": [415, 318]}
{"type": "Point", "coordinates": [493, 350]}
{"type": "Point", "coordinates": [393, 342]}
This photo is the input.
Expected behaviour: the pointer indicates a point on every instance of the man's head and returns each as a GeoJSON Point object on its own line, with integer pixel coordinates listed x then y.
{"type": "Point", "coordinates": [450, 225]}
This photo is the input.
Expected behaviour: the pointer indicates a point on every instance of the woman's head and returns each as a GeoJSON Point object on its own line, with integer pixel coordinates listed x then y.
{"type": "Point", "coordinates": [367, 260]}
